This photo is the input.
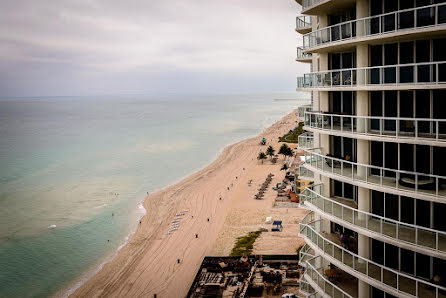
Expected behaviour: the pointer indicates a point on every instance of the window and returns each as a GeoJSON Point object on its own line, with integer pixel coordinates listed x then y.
{"type": "Point", "coordinates": [342, 147]}
{"type": "Point", "coordinates": [345, 190]}
{"type": "Point", "coordinates": [439, 217]}
{"type": "Point", "coordinates": [423, 213]}
{"type": "Point", "coordinates": [422, 51]}
{"type": "Point", "coordinates": [407, 210]}
{"type": "Point", "coordinates": [391, 256]}
{"type": "Point", "coordinates": [423, 266]}
{"type": "Point", "coordinates": [407, 261]}
{"type": "Point", "coordinates": [377, 202]}
{"type": "Point", "coordinates": [391, 206]}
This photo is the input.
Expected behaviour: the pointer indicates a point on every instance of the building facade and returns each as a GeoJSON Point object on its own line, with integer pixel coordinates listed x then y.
{"type": "Point", "coordinates": [377, 220]}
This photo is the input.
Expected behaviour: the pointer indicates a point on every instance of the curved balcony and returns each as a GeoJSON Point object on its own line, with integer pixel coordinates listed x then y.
{"type": "Point", "coordinates": [306, 289]}
{"type": "Point", "coordinates": [412, 184]}
{"type": "Point", "coordinates": [317, 7]}
{"type": "Point", "coordinates": [303, 24]}
{"type": "Point", "coordinates": [305, 140]}
{"type": "Point", "coordinates": [301, 111]}
{"type": "Point", "coordinates": [389, 25]}
{"type": "Point", "coordinates": [389, 77]}
{"type": "Point", "coordinates": [408, 130]}
{"type": "Point", "coordinates": [305, 174]}
{"type": "Point", "coordinates": [305, 254]}
{"type": "Point", "coordinates": [302, 56]}
{"type": "Point", "coordinates": [384, 278]}
{"type": "Point", "coordinates": [319, 282]}
{"type": "Point", "coordinates": [376, 226]}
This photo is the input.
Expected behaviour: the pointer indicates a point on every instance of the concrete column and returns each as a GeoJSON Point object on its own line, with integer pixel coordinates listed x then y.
{"type": "Point", "coordinates": [323, 21]}
{"type": "Point", "coordinates": [362, 109]}
{"type": "Point", "coordinates": [325, 143]}
{"type": "Point", "coordinates": [362, 60]}
{"type": "Point", "coordinates": [362, 11]}
{"type": "Point", "coordinates": [363, 152]}
{"type": "Point", "coordinates": [363, 251]}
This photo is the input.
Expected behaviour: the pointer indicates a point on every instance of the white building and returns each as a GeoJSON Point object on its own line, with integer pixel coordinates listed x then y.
{"type": "Point", "coordinates": [377, 226]}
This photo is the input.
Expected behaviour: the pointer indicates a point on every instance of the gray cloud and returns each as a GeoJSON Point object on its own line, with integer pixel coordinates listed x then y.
{"type": "Point", "coordinates": [70, 47]}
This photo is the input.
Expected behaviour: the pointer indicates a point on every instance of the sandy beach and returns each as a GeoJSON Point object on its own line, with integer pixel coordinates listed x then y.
{"type": "Point", "coordinates": [205, 213]}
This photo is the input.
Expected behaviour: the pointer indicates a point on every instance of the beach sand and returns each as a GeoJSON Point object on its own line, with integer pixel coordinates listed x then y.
{"type": "Point", "coordinates": [149, 265]}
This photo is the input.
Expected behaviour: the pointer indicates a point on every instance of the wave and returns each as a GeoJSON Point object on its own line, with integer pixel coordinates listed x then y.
{"type": "Point", "coordinates": [142, 211]}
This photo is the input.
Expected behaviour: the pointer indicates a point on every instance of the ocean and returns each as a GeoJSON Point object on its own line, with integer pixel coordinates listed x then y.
{"type": "Point", "coordinates": [74, 171]}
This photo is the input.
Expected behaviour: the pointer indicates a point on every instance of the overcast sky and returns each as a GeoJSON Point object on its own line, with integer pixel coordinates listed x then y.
{"type": "Point", "coordinates": [89, 47]}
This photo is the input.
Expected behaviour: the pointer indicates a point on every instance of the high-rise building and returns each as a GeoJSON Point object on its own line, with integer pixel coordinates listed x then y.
{"type": "Point", "coordinates": [377, 153]}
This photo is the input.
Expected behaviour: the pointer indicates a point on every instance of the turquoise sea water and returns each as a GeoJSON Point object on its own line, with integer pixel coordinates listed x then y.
{"type": "Point", "coordinates": [68, 164]}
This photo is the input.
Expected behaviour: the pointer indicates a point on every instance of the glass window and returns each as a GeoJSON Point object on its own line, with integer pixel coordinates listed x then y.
{"type": "Point", "coordinates": [376, 55]}
{"type": "Point", "coordinates": [407, 261]}
{"type": "Point", "coordinates": [406, 52]}
{"type": "Point", "coordinates": [423, 266]}
{"type": "Point", "coordinates": [422, 51]}
{"type": "Point", "coordinates": [407, 210]}
{"type": "Point", "coordinates": [423, 154]}
{"type": "Point", "coordinates": [377, 203]}
{"type": "Point", "coordinates": [391, 256]}
{"type": "Point", "coordinates": [391, 206]}
{"type": "Point", "coordinates": [439, 217]}
{"type": "Point", "coordinates": [391, 54]}
{"type": "Point", "coordinates": [377, 251]}
{"type": "Point", "coordinates": [406, 157]}
{"type": "Point", "coordinates": [438, 49]}
{"type": "Point", "coordinates": [423, 213]}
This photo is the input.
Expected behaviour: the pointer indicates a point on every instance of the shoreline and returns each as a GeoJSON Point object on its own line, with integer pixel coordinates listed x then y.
{"type": "Point", "coordinates": [89, 273]}
{"type": "Point", "coordinates": [73, 286]}
{"type": "Point", "coordinates": [123, 262]}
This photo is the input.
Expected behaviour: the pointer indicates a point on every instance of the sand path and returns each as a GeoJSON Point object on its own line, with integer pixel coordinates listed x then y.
{"type": "Point", "coordinates": [148, 264]}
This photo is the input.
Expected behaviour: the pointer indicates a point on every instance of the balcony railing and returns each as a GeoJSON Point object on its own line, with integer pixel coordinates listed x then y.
{"type": "Point", "coordinates": [393, 127]}
{"type": "Point", "coordinates": [305, 255]}
{"type": "Point", "coordinates": [306, 289]}
{"type": "Point", "coordinates": [314, 266]}
{"type": "Point", "coordinates": [302, 109]}
{"type": "Point", "coordinates": [310, 3]}
{"type": "Point", "coordinates": [410, 182]}
{"type": "Point", "coordinates": [306, 140]}
{"type": "Point", "coordinates": [401, 20]}
{"type": "Point", "coordinates": [305, 173]}
{"type": "Point", "coordinates": [303, 22]}
{"type": "Point", "coordinates": [382, 226]}
{"type": "Point", "coordinates": [391, 75]}
{"type": "Point", "coordinates": [301, 55]}
{"type": "Point", "coordinates": [402, 283]}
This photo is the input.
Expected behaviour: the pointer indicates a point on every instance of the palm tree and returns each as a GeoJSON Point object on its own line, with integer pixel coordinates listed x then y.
{"type": "Point", "coordinates": [284, 150]}
{"type": "Point", "coordinates": [261, 156]}
{"type": "Point", "coordinates": [270, 151]}
{"type": "Point", "coordinates": [289, 152]}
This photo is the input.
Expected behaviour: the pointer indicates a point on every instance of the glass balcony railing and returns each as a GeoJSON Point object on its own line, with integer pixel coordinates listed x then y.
{"type": "Point", "coordinates": [314, 268]}
{"type": "Point", "coordinates": [392, 75]}
{"type": "Point", "coordinates": [379, 225]}
{"type": "Point", "coordinates": [303, 22]}
{"type": "Point", "coordinates": [305, 173]}
{"type": "Point", "coordinates": [305, 255]}
{"type": "Point", "coordinates": [310, 3]}
{"type": "Point", "coordinates": [392, 127]}
{"type": "Point", "coordinates": [306, 289]}
{"type": "Point", "coordinates": [402, 283]}
{"type": "Point", "coordinates": [405, 181]}
{"type": "Point", "coordinates": [306, 140]}
{"type": "Point", "coordinates": [401, 20]}
{"type": "Point", "coordinates": [301, 55]}
{"type": "Point", "coordinates": [302, 109]}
